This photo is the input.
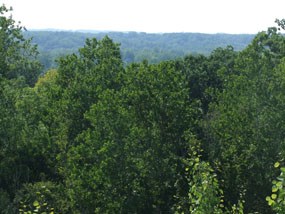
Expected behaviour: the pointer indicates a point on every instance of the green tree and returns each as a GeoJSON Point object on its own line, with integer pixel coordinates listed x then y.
{"type": "Point", "coordinates": [130, 158]}
{"type": "Point", "coordinates": [82, 78]}
{"type": "Point", "coordinates": [13, 172]}
{"type": "Point", "coordinates": [245, 131]}
{"type": "Point", "coordinates": [18, 57]}
{"type": "Point", "coordinates": [18, 67]}
{"type": "Point", "coordinates": [206, 75]}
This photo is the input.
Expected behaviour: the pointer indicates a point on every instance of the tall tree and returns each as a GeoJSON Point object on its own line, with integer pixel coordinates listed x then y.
{"type": "Point", "coordinates": [18, 67]}
{"type": "Point", "coordinates": [131, 157]}
{"type": "Point", "coordinates": [246, 131]}
{"type": "Point", "coordinates": [18, 57]}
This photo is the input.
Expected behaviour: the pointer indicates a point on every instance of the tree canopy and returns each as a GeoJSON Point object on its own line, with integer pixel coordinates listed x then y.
{"type": "Point", "coordinates": [200, 134]}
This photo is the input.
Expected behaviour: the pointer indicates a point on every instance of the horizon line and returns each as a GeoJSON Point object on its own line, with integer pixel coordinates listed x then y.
{"type": "Point", "coordinates": [94, 31]}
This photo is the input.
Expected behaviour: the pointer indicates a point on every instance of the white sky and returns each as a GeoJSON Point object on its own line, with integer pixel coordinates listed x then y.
{"type": "Point", "coordinates": [205, 16]}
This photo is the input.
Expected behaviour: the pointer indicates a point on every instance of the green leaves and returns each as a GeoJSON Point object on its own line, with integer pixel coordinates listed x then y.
{"type": "Point", "coordinates": [129, 156]}
{"type": "Point", "coordinates": [18, 58]}
{"type": "Point", "coordinates": [115, 139]}
{"type": "Point", "coordinates": [42, 197]}
{"type": "Point", "coordinates": [204, 193]}
{"type": "Point", "coordinates": [36, 204]}
{"type": "Point", "coordinates": [277, 164]}
{"type": "Point", "coordinates": [277, 198]}
{"type": "Point", "coordinates": [281, 23]}
{"type": "Point", "coordinates": [245, 129]}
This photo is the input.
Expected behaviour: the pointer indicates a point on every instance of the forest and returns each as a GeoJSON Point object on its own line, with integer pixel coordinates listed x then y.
{"type": "Point", "coordinates": [198, 134]}
{"type": "Point", "coordinates": [134, 46]}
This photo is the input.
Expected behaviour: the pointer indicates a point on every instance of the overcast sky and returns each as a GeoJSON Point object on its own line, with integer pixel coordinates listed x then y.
{"type": "Point", "coordinates": [205, 16]}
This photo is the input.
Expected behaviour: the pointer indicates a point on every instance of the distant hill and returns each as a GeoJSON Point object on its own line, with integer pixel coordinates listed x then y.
{"type": "Point", "coordinates": [136, 46]}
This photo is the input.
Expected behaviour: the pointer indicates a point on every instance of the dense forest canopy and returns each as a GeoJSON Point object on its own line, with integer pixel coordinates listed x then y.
{"type": "Point", "coordinates": [199, 134]}
{"type": "Point", "coordinates": [135, 47]}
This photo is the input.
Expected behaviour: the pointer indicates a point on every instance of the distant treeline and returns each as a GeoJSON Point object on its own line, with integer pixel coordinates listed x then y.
{"type": "Point", "coordinates": [136, 47]}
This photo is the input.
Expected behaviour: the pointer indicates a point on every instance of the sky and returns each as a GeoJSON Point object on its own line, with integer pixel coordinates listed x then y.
{"type": "Point", "coordinates": [152, 16]}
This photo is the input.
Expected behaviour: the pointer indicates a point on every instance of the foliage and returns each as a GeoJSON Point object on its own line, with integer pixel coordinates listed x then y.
{"type": "Point", "coordinates": [281, 23]}
{"type": "Point", "coordinates": [204, 190]}
{"type": "Point", "coordinates": [136, 134]}
{"type": "Point", "coordinates": [4, 200]}
{"type": "Point", "coordinates": [81, 80]}
{"type": "Point", "coordinates": [277, 199]}
{"type": "Point", "coordinates": [135, 47]}
{"type": "Point", "coordinates": [17, 56]}
{"type": "Point", "coordinates": [12, 169]}
{"type": "Point", "coordinates": [41, 197]}
{"type": "Point", "coordinates": [192, 135]}
{"type": "Point", "coordinates": [204, 194]}
{"type": "Point", "coordinates": [245, 130]}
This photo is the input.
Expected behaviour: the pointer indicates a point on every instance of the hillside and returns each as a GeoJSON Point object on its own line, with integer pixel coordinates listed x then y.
{"type": "Point", "coordinates": [135, 46]}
